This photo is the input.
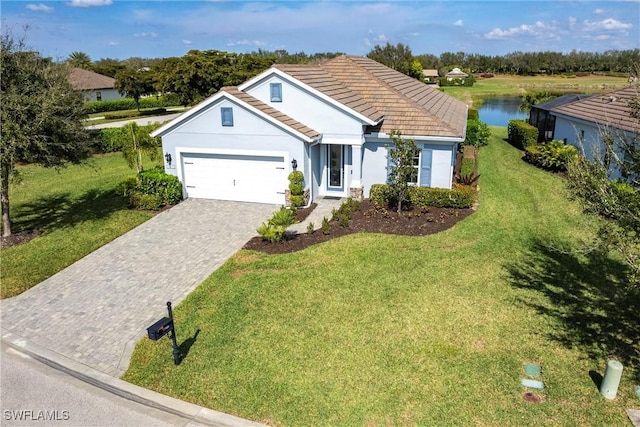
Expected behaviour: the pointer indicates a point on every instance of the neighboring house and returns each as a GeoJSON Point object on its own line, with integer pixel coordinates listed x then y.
{"type": "Point", "coordinates": [583, 122]}
{"type": "Point", "coordinates": [94, 86]}
{"type": "Point", "coordinates": [430, 76]}
{"type": "Point", "coordinates": [330, 120]}
{"type": "Point", "coordinates": [456, 73]}
{"type": "Point", "coordinates": [540, 115]}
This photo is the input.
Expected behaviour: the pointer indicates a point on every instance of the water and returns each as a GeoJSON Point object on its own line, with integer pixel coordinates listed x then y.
{"type": "Point", "coordinates": [497, 111]}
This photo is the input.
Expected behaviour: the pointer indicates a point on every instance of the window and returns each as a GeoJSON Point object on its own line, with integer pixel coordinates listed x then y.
{"type": "Point", "coordinates": [98, 96]}
{"type": "Point", "coordinates": [413, 180]}
{"type": "Point", "coordinates": [227, 116]}
{"type": "Point", "coordinates": [276, 92]}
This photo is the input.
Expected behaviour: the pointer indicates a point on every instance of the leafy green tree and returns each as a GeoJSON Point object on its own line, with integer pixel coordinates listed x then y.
{"type": "Point", "coordinates": [41, 115]}
{"type": "Point", "coordinates": [79, 60]}
{"type": "Point", "coordinates": [617, 201]}
{"type": "Point", "coordinates": [399, 58]}
{"type": "Point", "coordinates": [135, 84]}
{"type": "Point", "coordinates": [108, 67]}
{"type": "Point", "coordinates": [402, 167]}
{"type": "Point", "coordinates": [136, 142]}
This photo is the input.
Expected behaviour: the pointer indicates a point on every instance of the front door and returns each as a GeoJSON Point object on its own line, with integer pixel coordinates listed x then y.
{"type": "Point", "coordinates": [335, 178]}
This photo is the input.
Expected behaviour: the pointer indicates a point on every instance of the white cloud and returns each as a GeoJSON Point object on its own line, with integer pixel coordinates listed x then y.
{"type": "Point", "coordinates": [598, 11]}
{"type": "Point", "coordinates": [537, 29]}
{"type": "Point", "coordinates": [112, 43]}
{"type": "Point", "coordinates": [608, 24]}
{"type": "Point", "coordinates": [149, 34]}
{"type": "Point", "coordinates": [572, 23]}
{"type": "Point", "coordinates": [39, 7]}
{"type": "Point", "coordinates": [380, 38]}
{"type": "Point", "coordinates": [458, 23]}
{"type": "Point", "coordinates": [187, 42]}
{"type": "Point", "coordinates": [90, 3]}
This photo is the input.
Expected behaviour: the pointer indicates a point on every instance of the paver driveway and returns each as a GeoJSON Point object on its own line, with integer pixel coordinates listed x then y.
{"type": "Point", "coordinates": [95, 310]}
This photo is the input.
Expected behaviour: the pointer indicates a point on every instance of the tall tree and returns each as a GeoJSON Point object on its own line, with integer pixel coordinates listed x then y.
{"type": "Point", "coordinates": [399, 58]}
{"type": "Point", "coordinates": [40, 112]}
{"type": "Point", "coordinates": [79, 60]}
{"type": "Point", "coordinates": [402, 167]}
{"type": "Point", "coordinates": [135, 84]}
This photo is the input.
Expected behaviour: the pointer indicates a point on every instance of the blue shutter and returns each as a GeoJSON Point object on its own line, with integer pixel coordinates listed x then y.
{"type": "Point", "coordinates": [276, 92]}
{"type": "Point", "coordinates": [425, 167]}
{"type": "Point", "coordinates": [227, 116]}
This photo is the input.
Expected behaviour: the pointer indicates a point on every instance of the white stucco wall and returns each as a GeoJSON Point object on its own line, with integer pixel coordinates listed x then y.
{"type": "Point", "coordinates": [249, 133]}
{"type": "Point", "coordinates": [375, 163]}
{"type": "Point", "coordinates": [107, 95]}
{"type": "Point", "coordinates": [306, 108]}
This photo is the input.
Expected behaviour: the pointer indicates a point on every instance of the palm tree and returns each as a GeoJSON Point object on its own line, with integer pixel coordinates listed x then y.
{"type": "Point", "coordinates": [79, 60]}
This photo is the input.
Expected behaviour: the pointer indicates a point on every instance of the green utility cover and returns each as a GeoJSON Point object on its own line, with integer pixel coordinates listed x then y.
{"type": "Point", "coordinates": [532, 370]}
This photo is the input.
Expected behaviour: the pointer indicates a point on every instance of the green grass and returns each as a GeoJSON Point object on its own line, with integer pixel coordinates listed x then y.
{"type": "Point", "coordinates": [77, 210]}
{"type": "Point", "coordinates": [395, 330]}
{"type": "Point", "coordinates": [508, 85]}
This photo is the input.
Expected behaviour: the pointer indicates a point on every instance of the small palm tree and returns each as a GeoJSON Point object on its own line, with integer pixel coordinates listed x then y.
{"type": "Point", "coordinates": [79, 60]}
{"type": "Point", "coordinates": [137, 142]}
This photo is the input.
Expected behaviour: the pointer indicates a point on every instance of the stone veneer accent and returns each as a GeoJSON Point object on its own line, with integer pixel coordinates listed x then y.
{"type": "Point", "coordinates": [356, 193]}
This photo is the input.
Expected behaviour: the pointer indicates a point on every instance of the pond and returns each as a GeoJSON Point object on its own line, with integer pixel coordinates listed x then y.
{"type": "Point", "coordinates": [497, 111]}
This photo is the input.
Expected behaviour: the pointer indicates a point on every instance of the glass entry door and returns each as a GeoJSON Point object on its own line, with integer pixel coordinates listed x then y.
{"type": "Point", "coordinates": [335, 153]}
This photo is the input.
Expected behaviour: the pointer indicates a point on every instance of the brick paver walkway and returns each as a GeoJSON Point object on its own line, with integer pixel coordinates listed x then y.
{"type": "Point", "coordinates": [95, 310]}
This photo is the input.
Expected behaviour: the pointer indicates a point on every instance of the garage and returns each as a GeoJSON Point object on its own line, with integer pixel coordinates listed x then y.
{"type": "Point", "coordinates": [245, 178]}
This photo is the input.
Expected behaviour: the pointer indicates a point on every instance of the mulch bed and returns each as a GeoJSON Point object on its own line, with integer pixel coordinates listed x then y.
{"type": "Point", "coordinates": [414, 222]}
{"type": "Point", "coordinates": [20, 238]}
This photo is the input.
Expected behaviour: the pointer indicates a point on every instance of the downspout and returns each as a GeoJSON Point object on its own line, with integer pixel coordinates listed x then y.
{"type": "Point", "coordinates": [310, 172]}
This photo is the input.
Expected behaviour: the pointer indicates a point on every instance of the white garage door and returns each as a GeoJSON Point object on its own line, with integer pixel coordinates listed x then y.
{"type": "Point", "coordinates": [260, 179]}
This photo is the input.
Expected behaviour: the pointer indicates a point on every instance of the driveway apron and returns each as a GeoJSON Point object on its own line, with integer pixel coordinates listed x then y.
{"type": "Point", "coordinates": [95, 310]}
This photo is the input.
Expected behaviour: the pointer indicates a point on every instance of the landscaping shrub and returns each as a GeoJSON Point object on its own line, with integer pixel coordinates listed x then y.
{"type": "Point", "coordinates": [275, 228]}
{"type": "Point", "coordinates": [478, 133]}
{"type": "Point", "coordinates": [521, 134]}
{"type": "Point", "coordinates": [460, 196]}
{"type": "Point", "coordinates": [129, 104]}
{"type": "Point", "coordinates": [165, 188]}
{"type": "Point", "coordinates": [145, 201]}
{"type": "Point", "coordinates": [296, 187]}
{"type": "Point", "coordinates": [473, 114]}
{"type": "Point", "coordinates": [325, 227]}
{"type": "Point", "coordinates": [467, 167]}
{"type": "Point", "coordinates": [131, 114]}
{"type": "Point", "coordinates": [110, 140]}
{"type": "Point", "coordinates": [554, 155]}
{"type": "Point", "coordinates": [157, 181]}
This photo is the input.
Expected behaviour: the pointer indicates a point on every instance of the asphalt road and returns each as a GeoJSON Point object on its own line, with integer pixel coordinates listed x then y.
{"type": "Point", "coordinates": [34, 394]}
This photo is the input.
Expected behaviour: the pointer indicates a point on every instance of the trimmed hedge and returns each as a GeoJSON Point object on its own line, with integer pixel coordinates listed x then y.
{"type": "Point", "coordinates": [130, 114]}
{"type": "Point", "coordinates": [157, 181]}
{"type": "Point", "coordinates": [109, 140]}
{"type": "Point", "coordinates": [521, 134]}
{"type": "Point", "coordinates": [459, 197]}
{"type": "Point", "coordinates": [129, 104]}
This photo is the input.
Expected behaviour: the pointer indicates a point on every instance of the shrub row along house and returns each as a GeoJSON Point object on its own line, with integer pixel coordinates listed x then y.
{"type": "Point", "coordinates": [331, 121]}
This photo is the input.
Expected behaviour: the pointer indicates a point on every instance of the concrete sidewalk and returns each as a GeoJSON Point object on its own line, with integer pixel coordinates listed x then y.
{"type": "Point", "coordinates": [324, 209]}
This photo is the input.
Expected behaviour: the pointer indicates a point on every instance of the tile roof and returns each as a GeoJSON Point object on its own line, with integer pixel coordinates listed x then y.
{"type": "Point", "coordinates": [407, 104]}
{"type": "Point", "coordinates": [610, 109]}
{"type": "Point", "coordinates": [270, 111]}
{"type": "Point", "coordinates": [82, 79]}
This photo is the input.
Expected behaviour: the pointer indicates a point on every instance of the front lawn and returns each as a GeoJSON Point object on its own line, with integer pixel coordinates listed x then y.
{"type": "Point", "coordinates": [77, 211]}
{"type": "Point", "coordinates": [372, 329]}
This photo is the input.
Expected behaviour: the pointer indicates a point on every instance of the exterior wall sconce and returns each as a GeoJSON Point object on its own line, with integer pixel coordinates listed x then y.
{"type": "Point", "coordinates": [167, 157]}
{"type": "Point", "coordinates": [294, 164]}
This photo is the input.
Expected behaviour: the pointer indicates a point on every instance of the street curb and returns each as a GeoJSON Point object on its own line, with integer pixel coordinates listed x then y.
{"type": "Point", "coordinates": [124, 389]}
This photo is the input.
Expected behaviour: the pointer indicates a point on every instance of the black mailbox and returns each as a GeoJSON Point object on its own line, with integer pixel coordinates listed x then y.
{"type": "Point", "coordinates": [159, 329]}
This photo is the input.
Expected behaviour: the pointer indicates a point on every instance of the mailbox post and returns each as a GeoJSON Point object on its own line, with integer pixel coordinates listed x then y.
{"type": "Point", "coordinates": [161, 328]}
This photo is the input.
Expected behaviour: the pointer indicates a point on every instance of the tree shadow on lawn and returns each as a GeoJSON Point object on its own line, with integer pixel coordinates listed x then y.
{"type": "Point", "coordinates": [587, 294]}
{"type": "Point", "coordinates": [65, 210]}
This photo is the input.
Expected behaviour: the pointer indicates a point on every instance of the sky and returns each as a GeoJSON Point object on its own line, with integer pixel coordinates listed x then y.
{"type": "Point", "coordinates": [122, 29]}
